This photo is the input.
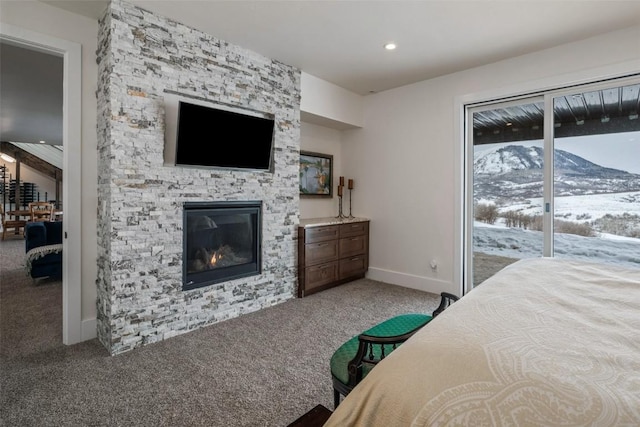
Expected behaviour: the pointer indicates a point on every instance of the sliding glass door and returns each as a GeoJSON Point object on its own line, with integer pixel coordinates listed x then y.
{"type": "Point", "coordinates": [507, 199]}
{"type": "Point", "coordinates": [554, 175]}
{"type": "Point", "coordinates": [596, 174]}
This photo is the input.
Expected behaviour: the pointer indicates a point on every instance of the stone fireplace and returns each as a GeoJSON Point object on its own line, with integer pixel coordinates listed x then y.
{"type": "Point", "coordinates": [221, 242]}
{"type": "Point", "coordinates": [143, 203]}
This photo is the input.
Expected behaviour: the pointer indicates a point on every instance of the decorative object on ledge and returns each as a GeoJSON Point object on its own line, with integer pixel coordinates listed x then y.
{"type": "Point", "coordinates": [316, 174]}
{"type": "Point", "coordinates": [340, 191]}
{"type": "Point", "coordinates": [350, 190]}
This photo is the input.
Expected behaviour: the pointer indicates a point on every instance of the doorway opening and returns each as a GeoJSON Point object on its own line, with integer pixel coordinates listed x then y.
{"type": "Point", "coordinates": [70, 53]}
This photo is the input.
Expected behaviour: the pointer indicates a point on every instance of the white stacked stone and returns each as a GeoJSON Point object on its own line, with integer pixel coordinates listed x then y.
{"type": "Point", "coordinates": [141, 57]}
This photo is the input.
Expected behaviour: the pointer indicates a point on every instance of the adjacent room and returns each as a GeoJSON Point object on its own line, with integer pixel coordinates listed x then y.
{"type": "Point", "coordinates": [31, 173]}
{"type": "Point", "coordinates": [275, 213]}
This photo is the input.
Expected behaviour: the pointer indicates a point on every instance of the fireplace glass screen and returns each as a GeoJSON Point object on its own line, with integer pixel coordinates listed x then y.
{"type": "Point", "coordinates": [222, 242]}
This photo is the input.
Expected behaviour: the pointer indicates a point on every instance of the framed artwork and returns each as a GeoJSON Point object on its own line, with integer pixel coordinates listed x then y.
{"type": "Point", "coordinates": [316, 174]}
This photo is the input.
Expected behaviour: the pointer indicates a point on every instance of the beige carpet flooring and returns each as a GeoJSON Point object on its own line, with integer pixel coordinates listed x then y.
{"type": "Point", "coordinates": [262, 369]}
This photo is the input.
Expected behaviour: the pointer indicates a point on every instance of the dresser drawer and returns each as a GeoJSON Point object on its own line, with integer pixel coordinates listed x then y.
{"type": "Point", "coordinates": [350, 246]}
{"type": "Point", "coordinates": [353, 266]}
{"type": "Point", "coordinates": [320, 275]}
{"type": "Point", "coordinates": [331, 252]}
{"type": "Point", "coordinates": [354, 229]}
{"type": "Point", "coordinates": [321, 234]}
{"type": "Point", "coordinates": [316, 253]}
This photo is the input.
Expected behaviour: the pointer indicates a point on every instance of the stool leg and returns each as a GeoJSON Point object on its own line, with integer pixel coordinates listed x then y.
{"type": "Point", "coordinates": [336, 398]}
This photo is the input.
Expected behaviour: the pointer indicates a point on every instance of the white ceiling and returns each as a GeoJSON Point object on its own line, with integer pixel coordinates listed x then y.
{"type": "Point", "coordinates": [30, 95]}
{"type": "Point", "coordinates": [51, 154]}
{"type": "Point", "coordinates": [342, 41]}
{"type": "Point", "coordinates": [339, 41]}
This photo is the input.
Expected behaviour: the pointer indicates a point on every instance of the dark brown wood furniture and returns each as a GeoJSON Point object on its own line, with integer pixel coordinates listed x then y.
{"type": "Point", "coordinates": [331, 251]}
{"type": "Point", "coordinates": [316, 417]}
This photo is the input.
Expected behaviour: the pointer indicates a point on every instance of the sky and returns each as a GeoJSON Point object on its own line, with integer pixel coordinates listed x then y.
{"type": "Point", "coordinates": [617, 150]}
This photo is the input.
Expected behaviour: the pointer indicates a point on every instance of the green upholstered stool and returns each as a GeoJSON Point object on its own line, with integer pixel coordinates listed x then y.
{"type": "Point", "coordinates": [353, 360]}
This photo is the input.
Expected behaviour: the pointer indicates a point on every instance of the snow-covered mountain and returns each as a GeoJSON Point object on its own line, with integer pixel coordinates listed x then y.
{"type": "Point", "coordinates": [516, 171]}
{"type": "Point", "coordinates": [518, 157]}
{"type": "Point", "coordinates": [507, 159]}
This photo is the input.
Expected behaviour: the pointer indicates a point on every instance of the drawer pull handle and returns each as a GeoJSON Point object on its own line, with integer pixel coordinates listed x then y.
{"type": "Point", "coordinates": [355, 238]}
{"type": "Point", "coordinates": [322, 244]}
{"type": "Point", "coordinates": [355, 226]}
{"type": "Point", "coordinates": [355, 259]}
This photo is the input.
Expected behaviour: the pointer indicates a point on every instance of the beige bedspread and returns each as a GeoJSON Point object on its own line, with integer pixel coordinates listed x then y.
{"type": "Point", "coordinates": [545, 342]}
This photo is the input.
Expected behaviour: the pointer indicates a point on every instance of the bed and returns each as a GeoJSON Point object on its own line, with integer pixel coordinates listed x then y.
{"type": "Point", "coordinates": [544, 342]}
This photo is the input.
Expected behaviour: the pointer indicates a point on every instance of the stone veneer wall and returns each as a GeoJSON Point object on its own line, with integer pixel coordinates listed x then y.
{"type": "Point", "coordinates": [141, 56]}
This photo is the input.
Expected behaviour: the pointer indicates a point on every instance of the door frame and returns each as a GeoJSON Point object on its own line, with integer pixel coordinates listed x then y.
{"type": "Point", "coordinates": [71, 53]}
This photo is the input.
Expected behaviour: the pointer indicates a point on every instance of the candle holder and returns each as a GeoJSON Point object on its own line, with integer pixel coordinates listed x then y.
{"type": "Point", "coordinates": [340, 191]}
{"type": "Point", "coordinates": [350, 216]}
{"type": "Point", "coordinates": [340, 214]}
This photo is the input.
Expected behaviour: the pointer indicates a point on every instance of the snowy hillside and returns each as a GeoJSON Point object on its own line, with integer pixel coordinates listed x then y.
{"type": "Point", "coordinates": [602, 199]}
{"type": "Point", "coordinates": [519, 243]}
{"type": "Point", "coordinates": [582, 208]}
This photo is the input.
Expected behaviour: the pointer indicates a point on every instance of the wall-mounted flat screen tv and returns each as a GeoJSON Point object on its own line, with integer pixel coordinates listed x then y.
{"type": "Point", "coordinates": [206, 136]}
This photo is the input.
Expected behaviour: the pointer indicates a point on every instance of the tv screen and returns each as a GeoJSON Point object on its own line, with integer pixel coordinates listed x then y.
{"type": "Point", "coordinates": [211, 137]}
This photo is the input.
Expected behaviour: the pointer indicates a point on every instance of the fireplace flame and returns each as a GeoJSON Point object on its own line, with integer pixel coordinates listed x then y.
{"type": "Point", "coordinates": [215, 258]}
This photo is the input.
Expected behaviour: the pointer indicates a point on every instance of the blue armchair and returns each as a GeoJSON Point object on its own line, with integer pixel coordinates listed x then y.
{"type": "Point", "coordinates": [43, 244]}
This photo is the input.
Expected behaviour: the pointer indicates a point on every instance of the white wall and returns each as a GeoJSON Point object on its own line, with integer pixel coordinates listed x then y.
{"type": "Point", "coordinates": [329, 105]}
{"type": "Point", "coordinates": [407, 155]}
{"type": "Point", "coordinates": [326, 110]}
{"type": "Point", "coordinates": [44, 184]}
{"type": "Point", "coordinates": [44, 19]}
{"type": "Point", "coordinates": [321, 139]}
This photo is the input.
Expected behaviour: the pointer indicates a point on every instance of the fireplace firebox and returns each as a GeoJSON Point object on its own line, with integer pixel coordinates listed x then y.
{"type": "Point", "coordinates": [221, 242]}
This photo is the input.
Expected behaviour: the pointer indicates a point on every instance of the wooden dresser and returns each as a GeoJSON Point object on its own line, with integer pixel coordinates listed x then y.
{"type": "Point", "coordinates": [331, 251]}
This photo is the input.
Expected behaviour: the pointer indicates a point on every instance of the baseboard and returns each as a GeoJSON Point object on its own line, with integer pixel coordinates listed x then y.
{"type": "Point", "coordinates": [89, 330]}
{"type": "Point", "coordinates": [421, 283]}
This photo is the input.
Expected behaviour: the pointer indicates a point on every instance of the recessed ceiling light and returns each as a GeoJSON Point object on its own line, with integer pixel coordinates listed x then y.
{"type": "Point", "coordinates": [7, 158]}
{"type": "Point", "coordinates": [390, 46]}
{"type": "Point", "coordinates": [42, 142]}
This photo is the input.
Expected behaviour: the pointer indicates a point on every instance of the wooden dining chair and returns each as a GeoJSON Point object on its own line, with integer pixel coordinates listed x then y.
{"type": "Point", "coordinates": [41, 211]}
{"type": "Point", "coordinates": [17, 225]}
